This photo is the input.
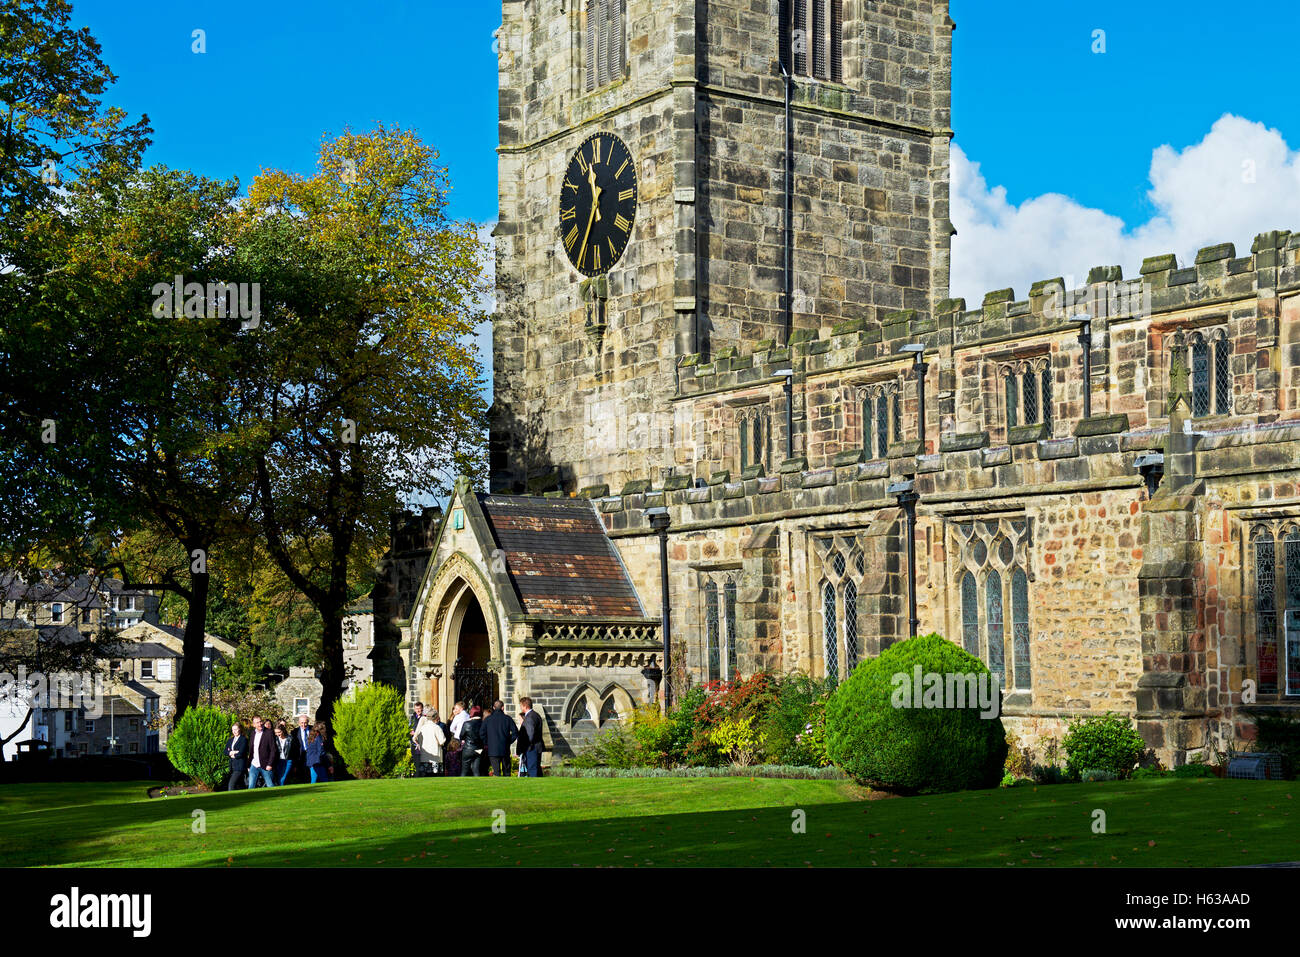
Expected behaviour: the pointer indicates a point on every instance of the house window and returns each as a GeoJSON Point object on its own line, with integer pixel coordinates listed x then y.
{"type": "Point", "coordinates": [300, 706]}
{"type": "Point", "coordinates": [85, 616]}
{"type": "Point", "coordinates": [164, 669]}
{"type": "Point", "coordinates": [812, 36]}
{"type": "Point", "coordinates": [126, 603]}
{"type": "Point", "coordinates": [89, 727]}
{"type": "Point", "coordinates": [1204, 358]}
{"type": "Point", "coordinates": [135, 724]}
{"type": "Point", "coordinates": [755, 436]}
{"type": "Point", "coordinates": [1028, 388]}
{"type": "Point", "coordinates": [1277, 609]}
{"type": "Point", "coordinates": [882, 418]}
{"type": "Point", "coordinates": [146, 668]}
{"type": "Point", "coordinates": [606, 42]}
{"type": "Point", "coordinates": [56, 613]}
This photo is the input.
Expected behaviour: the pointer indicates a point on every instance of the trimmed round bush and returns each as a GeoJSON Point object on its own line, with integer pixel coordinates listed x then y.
{"type": "Point", "coordinates": [1103, 742]}
{"type": "Point", "coordinates": [197, 745]}
{"type": "Point", "coordinates": [878, 735]}
{"type": "Point", "coordinates": [372, 731]}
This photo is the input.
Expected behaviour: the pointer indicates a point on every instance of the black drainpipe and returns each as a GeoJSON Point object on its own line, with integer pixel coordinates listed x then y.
{"type": "Point", "coordinates": [789, 253]}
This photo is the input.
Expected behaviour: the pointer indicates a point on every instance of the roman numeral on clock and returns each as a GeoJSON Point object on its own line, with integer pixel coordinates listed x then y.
{"type": "Point", "coordinates": [625, 195]}
{"type": "Point", "coordinates": [595, 152]}
{"type": "Point", "coordinates": [566, 214]}
{"type": "Point", "coordinates": [622, 222]}
{"type": "Point", "coordinates": [619, 174]}
{"type": "Point", "coordinates": [570, 238]}
{"type": "Point", "coordinates": [595, 257]}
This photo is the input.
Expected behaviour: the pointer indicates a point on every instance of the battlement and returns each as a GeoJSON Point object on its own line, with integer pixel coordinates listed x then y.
{"type": "Point", "coordinates": [1217, 275]}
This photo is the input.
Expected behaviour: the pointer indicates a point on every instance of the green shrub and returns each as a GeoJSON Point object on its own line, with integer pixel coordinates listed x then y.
{"type": "Point", "coordinates": [372, 731]}
{"type": "Point", "coordinates": [913, 749]}
{"type": "Point", "coordinates": [405, 767]}
{"type": "Point", "coordinates": [1152, 772]}
{"type": "Point", "coordinates": [197, 746]}
{"type": "Point", "coordinates": [1104, 742]}
{"type": "Point", "coordinates": [1019, 763]}
{"type": "Point", "coordinates": [1280, 733]}
{"type": "Point", "coordinates": [1197, 769]}
{"type": "Point", "coordinates": [736, 741]}
{"type": "Point", "coordinates": [1097, 774]}
{"type": "Point", "coordinates": [793, 728]}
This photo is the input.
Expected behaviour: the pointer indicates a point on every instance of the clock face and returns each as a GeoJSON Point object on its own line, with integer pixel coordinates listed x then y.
{"type": "Point", "coordinates": [598, 203]}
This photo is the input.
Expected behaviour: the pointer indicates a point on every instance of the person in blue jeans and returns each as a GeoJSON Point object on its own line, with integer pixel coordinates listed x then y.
{"type": "Point", "coordinates": [283, 748]}
{"type": "Point", "coordinates": [315, 754]}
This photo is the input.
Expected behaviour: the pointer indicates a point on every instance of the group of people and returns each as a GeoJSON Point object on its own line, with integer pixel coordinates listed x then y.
{"type": "Point", "coordinates": [474, 744]}
{"type": "Point", "coordinates": [272, 756]}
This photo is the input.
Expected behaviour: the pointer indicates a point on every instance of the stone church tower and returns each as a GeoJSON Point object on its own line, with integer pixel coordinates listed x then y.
{"type": "Point", "coordinates": [843, 168]}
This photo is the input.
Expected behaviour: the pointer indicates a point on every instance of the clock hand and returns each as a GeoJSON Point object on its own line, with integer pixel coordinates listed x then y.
{"type": "Point", "coordinates": [594, 215]}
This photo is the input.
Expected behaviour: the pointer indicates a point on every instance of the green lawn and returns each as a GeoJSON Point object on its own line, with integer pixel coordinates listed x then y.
{"type": "Point", "coordinates": [641, 823]}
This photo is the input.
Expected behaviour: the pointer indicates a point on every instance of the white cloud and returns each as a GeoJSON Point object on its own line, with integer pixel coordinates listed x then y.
{"type": "Point", "coordinates": [1240, 180]}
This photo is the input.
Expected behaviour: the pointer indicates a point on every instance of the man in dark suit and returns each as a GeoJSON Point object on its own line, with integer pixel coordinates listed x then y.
{"type": "Point", "coordinates": [298, 749]}
{"type": "Point", "coordinates": [500, 731]}
{"type": "Point", "coordinates": [262, 754]}
{"type": "Point", "coordinates": [415, 722]}
{"type": "Point", "coordinates": [237, 750]}
{"type": "Point", "coordinates": [530, 740]}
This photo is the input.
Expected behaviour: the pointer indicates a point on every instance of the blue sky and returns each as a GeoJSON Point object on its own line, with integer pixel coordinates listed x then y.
{"type": "Point", "coordinates": [1058, 158]}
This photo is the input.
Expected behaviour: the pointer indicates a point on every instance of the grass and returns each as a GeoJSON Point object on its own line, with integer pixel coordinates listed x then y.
{"type": "Point", "coordinates": [643, 823]}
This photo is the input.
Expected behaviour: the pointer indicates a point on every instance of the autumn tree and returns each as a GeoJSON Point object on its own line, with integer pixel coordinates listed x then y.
{"type": "Point", "coordinates": [364, 391]}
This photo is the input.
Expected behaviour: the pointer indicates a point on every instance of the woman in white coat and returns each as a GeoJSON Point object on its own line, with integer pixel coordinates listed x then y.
{"type": "Point", "coordinates": [430, 739]}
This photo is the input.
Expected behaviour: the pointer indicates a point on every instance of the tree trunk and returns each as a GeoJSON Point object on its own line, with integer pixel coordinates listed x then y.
{"type": "Point", "coordinates": [331, 677]}
{"type": "Point", "coordinates": [196, 623]}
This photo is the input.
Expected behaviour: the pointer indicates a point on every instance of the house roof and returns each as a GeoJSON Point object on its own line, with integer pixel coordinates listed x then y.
{"type": "Point", "coordinates": [147, 649]}
{"type": "Point", "coordinates": [559, 558]}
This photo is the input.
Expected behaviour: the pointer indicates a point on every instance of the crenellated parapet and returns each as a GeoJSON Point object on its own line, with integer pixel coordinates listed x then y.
{"type": "Point", "coordinates": [1217, 275]}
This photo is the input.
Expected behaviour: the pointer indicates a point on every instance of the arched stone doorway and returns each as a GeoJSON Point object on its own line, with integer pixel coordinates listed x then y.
{"type": "Point", "coordinates": [466, 675]}
{"type": "Point", "coordinates": [471, 680]}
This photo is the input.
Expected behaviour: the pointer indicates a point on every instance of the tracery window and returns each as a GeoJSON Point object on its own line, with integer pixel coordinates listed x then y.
{"type": "Point", "coordinates": [1201, 362]}
{"type": "Point", "coordinates": [1275, 551]}
{"type": "Point", "coordinates": [990, 579]}
{"type": "Point", "coordinates": [755, 428]}
{"type": "Point", "coordinates": [881, 405]}
{"type": "Point", "coordinates": [1028, 389]}
{"type": "Point", "coordinates": [843, 565]}
{"type": "Point", "coordinates": [719, 625]}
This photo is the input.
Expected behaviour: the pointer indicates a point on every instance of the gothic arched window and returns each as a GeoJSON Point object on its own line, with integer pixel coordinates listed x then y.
{"type": "Point", "coordinates": [1205, 357]}
{"type": "Point", "coordinates": [720, 635]}
{"type": "Point", "coordinates": [850, 627]}
{"type": "Point", "coordinates": [1023, 675]}
{"type": "Point", "coordinates": [712, 632]}
{"type": "Point", "coordinates": [993, 625]}
{"type": "Point", "coordinates": [1028, 388]}
{"type": "Point", "coordinates": [882, 418]}
{"type": "Point", "coordinates": [1277, 609]}
{"type": "Point", "coordinates": [830, 635]}
{"type": "Point", "coordinates": [970, 615]}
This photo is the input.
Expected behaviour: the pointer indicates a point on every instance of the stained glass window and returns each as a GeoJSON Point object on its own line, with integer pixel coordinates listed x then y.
{"type": "Point", "coordinates": [898, 417]}
{"type": "Point", "coordinates": [711, 630]}
{"type": "Point", "coordinates": [837, 562]}
{"type": "Point", "coordinates": [744, 444]}
{"type": "Point", "coordinates": [759, 449]}
{"type": "Point", "coordinates": [970, 615]}
{"type": "Point", "coordinates": [993, 624]}
{"type": "Point", "coordinates": [1020, 628]}
{"type": "Point", "coordinates": [1200, 376]}
{"type": "Point", "coordinates": [829, 633]}
{"type": "Point", "coordinates": [729, 609]}
{"type": "Point", "coordinates": [1222, 378]}
{"type": "Point", "coordinates": [1012, 401]}
{"type": "Point", "coordinates": [609, 710]}
{"type": "Point", "coordinates": [580, 711]}
{"type": "Point", "coordinates": [850, 627]}
{"type": "Point", "coordinates": [1265, 615]}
